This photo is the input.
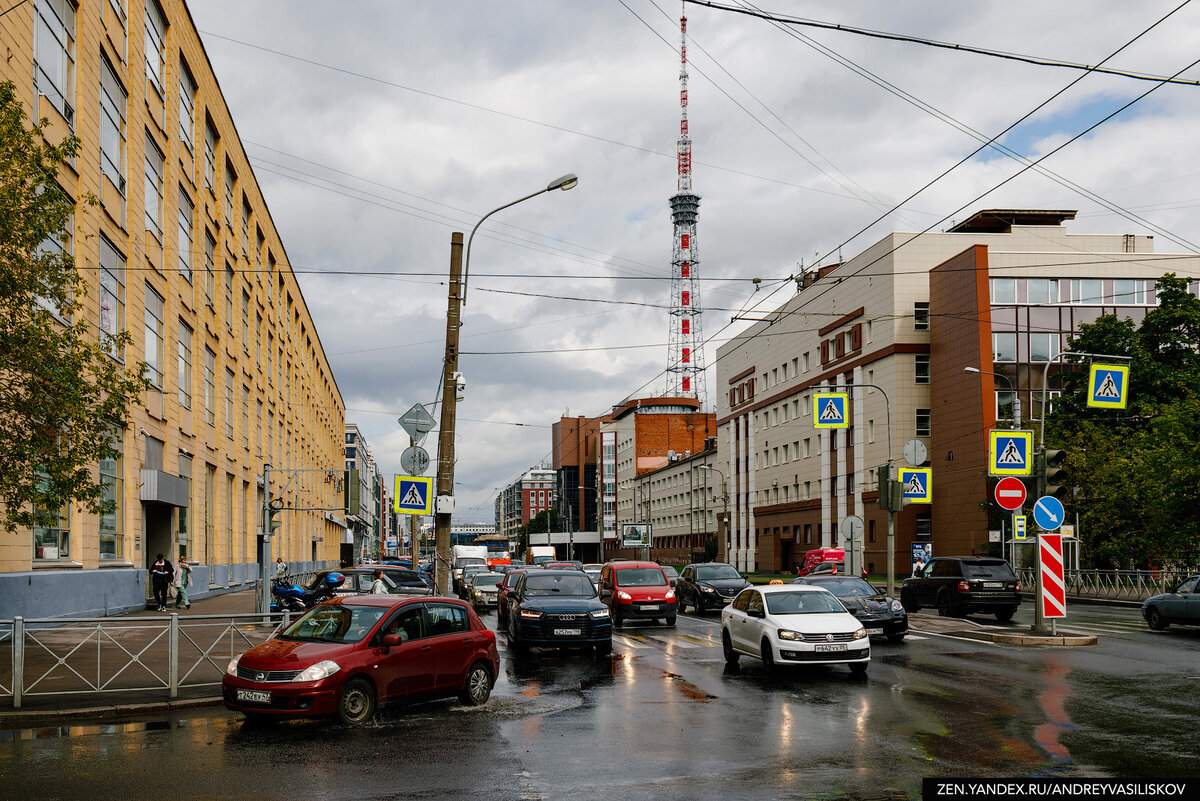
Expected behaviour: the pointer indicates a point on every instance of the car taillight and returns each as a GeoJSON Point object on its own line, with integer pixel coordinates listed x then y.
{"type": "Point", "coordinates": [964, 586]}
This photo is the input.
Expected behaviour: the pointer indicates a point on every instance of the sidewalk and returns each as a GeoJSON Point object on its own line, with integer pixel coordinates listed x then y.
{"type": "Point", "coordinates": [141, 633]}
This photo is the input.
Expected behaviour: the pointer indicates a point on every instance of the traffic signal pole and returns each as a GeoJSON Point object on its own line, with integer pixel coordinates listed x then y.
{"type": "Point", "coordinates": [445, 464]}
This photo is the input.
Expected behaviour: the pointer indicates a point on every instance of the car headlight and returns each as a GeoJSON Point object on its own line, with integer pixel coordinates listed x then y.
{"type": "Point", "coordinates": [600, 612]}
{"type": "Point", "coordinates": [322, 670]}
{"type": "Point", "coordinates": [897, 606]}
{"type": "Point", "coordinates": [784, 634]}
{"type": "Point", "coordinates": [531, 613]}
{"type": "Point", "coordinates": [624, 596]}
{"type": "Point", "coordinates": [233, 663]}
{"type": "Point", "coordinates": [707, 589]}
{"type": "Point", "coordinates": [670, 596]}
{"type": "Point", "coordinates": [858, 635]}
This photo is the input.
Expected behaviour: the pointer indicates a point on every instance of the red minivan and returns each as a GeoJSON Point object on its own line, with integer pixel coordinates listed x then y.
{"type": "Point", "coordinates": [346, 656]}
{"type": "Point", "coordinates": [637, 590]}
{"type": "Point", "coordinates": [817, 556]}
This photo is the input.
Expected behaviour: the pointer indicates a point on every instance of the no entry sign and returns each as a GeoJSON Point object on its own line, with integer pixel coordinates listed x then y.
{"type": "Point", "coordinates": [1010, 493]}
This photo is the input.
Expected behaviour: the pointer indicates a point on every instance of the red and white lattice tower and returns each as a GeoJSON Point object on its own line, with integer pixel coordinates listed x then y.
{"type": "Point", "coordinates": [685, 358]}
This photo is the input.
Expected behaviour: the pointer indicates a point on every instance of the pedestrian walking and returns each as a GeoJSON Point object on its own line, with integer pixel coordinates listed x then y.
{"type": "Point", "coordinates": [183, 580]}
{"type": "Point", "coordinates": [281, 567]}
{"type": "Point", "coordinates": [161, 573]}
{"type": "Point", "coordinates": [377, 586]}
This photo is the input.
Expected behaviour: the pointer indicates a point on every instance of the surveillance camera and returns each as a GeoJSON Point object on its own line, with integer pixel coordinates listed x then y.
{"type": "Point", "coordinates": [142, 431]}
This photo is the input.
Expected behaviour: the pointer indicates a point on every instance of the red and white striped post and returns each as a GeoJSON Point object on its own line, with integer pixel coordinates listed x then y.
{"type": "Point", "coordinates": [1052, 589]}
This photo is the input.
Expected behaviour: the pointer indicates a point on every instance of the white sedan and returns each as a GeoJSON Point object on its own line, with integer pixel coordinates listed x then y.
{"type": "Point", "coordinates": [793, 624]}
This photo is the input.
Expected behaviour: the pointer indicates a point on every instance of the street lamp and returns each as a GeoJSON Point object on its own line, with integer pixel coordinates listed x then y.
{"type": "Point", "coordinates": [456, 299]}
{"type": "Point", "coordinates": [725, 502]}
{"type": "Point", "coordinates": [1011, 389]}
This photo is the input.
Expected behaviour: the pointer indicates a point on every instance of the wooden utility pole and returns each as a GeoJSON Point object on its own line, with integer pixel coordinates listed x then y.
{"type": "Point", "coordinates": [445, 465]}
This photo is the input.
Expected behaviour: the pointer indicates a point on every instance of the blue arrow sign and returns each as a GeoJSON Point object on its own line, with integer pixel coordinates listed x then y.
{"type": "Point", "coordinates": [1048, 512]}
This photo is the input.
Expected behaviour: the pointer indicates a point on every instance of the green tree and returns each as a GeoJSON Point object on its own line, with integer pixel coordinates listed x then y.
{"type": "Point", "coordinates": [63, 397]}
{"type": "Point", "coordinates": [1138, 469]}
{"type": "Point", "coordinates": [540, 523]}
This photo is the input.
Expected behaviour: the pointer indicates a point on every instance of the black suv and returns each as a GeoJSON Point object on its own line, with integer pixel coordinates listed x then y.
{"type": "Point", "coordinates": [959, 585]}
{"type": "Point", "coordinates": [711, 585]}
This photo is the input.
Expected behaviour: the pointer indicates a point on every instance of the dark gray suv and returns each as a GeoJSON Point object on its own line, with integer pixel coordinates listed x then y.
{"type": "Point", "coordinates": [959, 585]}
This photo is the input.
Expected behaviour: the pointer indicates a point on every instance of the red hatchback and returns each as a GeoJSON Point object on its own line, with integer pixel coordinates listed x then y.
{"type": "Point", "coordinates": [637, 590]}
{"type": "Point", "coordinates": [510, 580]}
{"type": "Point", "coordinates": [347, 656]}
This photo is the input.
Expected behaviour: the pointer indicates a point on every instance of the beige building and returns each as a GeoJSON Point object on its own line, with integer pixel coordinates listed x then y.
{"type": "Point", "coordinates": [182, 251]}
{"type": "Point", "coordinates": [683, 501]}
{"type": "Point", "coordinates": [894, 327]}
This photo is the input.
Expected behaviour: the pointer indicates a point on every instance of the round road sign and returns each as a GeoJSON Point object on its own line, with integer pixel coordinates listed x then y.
{"type": "Point", "coordinates": [1010, 493]}
{"type": "Point", "coordinates": [414, 460]}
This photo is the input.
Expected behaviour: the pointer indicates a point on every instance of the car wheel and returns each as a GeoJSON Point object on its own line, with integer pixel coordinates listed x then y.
{"type": "Point", "coordinates": [768, 656]}
{"type": "Point", "coordinates": [478, 686]}
{"type": "Point", "coordinates": [604, 650]}
{"type": "Point", "coordinates": [1005, 615]}
{"type": "Point", "coordinates": [356, 705]}
{"type": "Point", "coordinates": [1155, 619]}
{"type": "Point", "coordinates": [858, 668]}
{"type": "Point", "coordinates": [670, 620]}
{"type": "Point", "coordinates": [943, 604]}
{"type": "Point", "coordinates": [616, 619]}
{"type": "Point", "coordinates": [908, 602]}
{"type": "Point", "coordinates": [731, 656]}
{"type": "Point", "coordinates": [895, 638]}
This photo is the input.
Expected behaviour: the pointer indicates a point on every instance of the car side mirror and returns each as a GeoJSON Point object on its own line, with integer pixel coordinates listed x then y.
{"type": "Point", "coordinates": [755, 613]}
{"type": "Point", "coordinates": [390, 640]}
{"type": "Point", "coordinates": [743, 575]}
{"type": "Point", "coordinates": [604, 592]}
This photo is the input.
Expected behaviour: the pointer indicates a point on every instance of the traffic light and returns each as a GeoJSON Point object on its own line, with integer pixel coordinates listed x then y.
{"type": "Point", "coordinates": [1052, 473]}
{"type": "Point", "coordinates": [891, 493]}
{"type": "Point", "coordinates": [273, 521]}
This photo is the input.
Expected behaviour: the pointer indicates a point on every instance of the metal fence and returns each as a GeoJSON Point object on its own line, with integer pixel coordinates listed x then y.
{"type": "Point", "coordinates": [60, 656]}
{"type": "Point", "coordinates": [1131, 585]}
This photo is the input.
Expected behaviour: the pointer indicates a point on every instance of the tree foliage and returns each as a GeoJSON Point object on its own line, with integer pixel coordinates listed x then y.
{"type": "Point", "coordinates": [63, 397]}
{"type": "Point", "coordinates": [540, 523]}
{"type": "Point", "coordinates": [1138, 469]}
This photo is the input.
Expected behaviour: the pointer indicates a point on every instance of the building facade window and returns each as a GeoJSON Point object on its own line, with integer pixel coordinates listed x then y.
{"type": "Point", "coordinates": [154, 188]}
{"type": "Point", "coordinates": [210, 388]}
{"type": "Point", "coordinates": [187, 108]}
{"type": "Point", "coordinates": [1044, 347]}
{"type": "Point", "coordinates": [210, 156]}
{"type": "Point", "coordinates": [1129, 292]}
{"type": "Point", "coordinates": [153, 337]}
{"type": "Point", "coordinates": [229, 403]}
{"type": "Point", "coordinates": [1087, 291]}
{"type": "Point", "coordinates": [245, 417]}
{"type": "Point", "coordinates": [112, 488]}
{"type": "Point", "coordinates": [920, 317]}
{"type": "Point", "coordinates": [921, 375]}
{"type": "Point", "coordinates": [186, 210]}
{"type": "Point", "coordinates": [1041, 290]}
{"type": "Point", "coordinates": [52, 532]}
{"type": "Point", "coordinates": [55, 57]}
{"type": "Point", "coordinates": [1004, 347]}
{"type": "Point", "coordinates": [1004, 291]}
{"type": "Point", "coordinates": [112, 294]}
{"type": "Point", "coordinates": [245, 316]}
{"type": "Point", "coordinates": [230, 180]}
{"type": "Point", "coordinates": [156, 36]}
{"type": "Point", "coordinates": [924, 423]}
{"type": "Point", "coordinates": [113, 102]}
{"type": "Point", "coordinates": [185, 365]}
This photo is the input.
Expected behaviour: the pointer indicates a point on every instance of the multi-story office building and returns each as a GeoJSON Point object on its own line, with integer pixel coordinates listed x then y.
{"type": "Point", "coordinates": [574, 457]}
{"type": "Point", "coordinates": [895, 327]}
{"type": "Point", "coordinates": [683, 502]}
{"type": "Point", "coordinates": [363, 496]}
{"type": "Point", "coordinates": [180, 249]}
{"type": "Point", "coordinates": [524, 499]}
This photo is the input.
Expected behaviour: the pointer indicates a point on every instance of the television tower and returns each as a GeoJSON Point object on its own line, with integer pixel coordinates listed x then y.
{"type": "Point", "coordinates": [685, 356]}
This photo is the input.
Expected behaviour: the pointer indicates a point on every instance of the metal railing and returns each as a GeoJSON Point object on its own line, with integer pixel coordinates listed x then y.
{"type": "Point", "coordinates": [1131, 585]}
{"type": "Point", "coordinates": [64, 656]}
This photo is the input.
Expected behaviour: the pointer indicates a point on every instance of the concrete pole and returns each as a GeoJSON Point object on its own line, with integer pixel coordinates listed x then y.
{"type": "Point", "coordinates": [445, 465]}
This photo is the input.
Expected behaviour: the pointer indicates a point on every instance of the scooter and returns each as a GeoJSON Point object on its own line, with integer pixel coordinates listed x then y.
{"type": "Point", "coordinates": [290, 597]}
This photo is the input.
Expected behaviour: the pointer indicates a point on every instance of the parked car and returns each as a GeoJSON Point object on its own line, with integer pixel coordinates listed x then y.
{"type": "Point", "coordinates": [468, 573]}
{"type": "Point", "coordinates": [816, 556]}
{"type": "Point", "coordinates": [828, 569]}
{"type": "Point", "coordinates": [510, 581]}
{"type": "Point", "coordinates": [959, 585]}
{"type": "Point", "coordinates": [482, 591]}
{"type": "Point", "coordinates": [557, 608]}
{"type": "Point", "coordinates": [409, 580]}
{"type": "Point", "coordinates": [346, 656]}
{"type": "Point", "coordinates": [637, 590]}
{"type": "Point", "coordinates": [460, 565]}
{"type": "Point", "coordinates": [880, 614]}
{"type": "Point", "coordinates": [791, 624]}
{"type": "Point", "coordinates": [1180, 605]}
{"type": "Point", "coordinates": [672, 575]}
{"type": "Point", "coordinates": [710, 585]}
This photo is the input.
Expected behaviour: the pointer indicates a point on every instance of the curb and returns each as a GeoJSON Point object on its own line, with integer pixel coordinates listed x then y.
{"type": "Point", "coordinates": [39, 718]}
{"type": "Point", "coordinates": [1024, 639]}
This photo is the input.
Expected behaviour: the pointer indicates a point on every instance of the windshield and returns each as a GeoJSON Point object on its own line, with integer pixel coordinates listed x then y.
{"type": "Point", "coordinates": [714, 572]}
{"type": "Point", "coordinates": [849, 588]}
{"type": "Point", "coordinates": [640, 577]}
{"type": "Point", "coordinates": [802, 603]}
{"type": "Point", "coordinates": [464, 561]}
{"type": "Point", "coordinates": [992, 570]}
{"type": "Point", "coordinates": [579, 585]}
{"type": "Point", "coordinates": [487, 580]}
{"type": "Point", "coordinates": [670, 571]}
{"type": "Point", "coordinates": [334, 623]}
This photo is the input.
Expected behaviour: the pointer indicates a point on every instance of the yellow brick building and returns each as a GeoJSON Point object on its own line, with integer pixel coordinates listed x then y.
{"type": "Point", "coordinates": [181, 250]}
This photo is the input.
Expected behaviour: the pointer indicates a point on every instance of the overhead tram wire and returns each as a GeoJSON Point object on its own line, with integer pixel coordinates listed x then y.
{"type": "Point", "coordinates": [961, 48]}
{"type": "Point", "coordinates": [988, 141]}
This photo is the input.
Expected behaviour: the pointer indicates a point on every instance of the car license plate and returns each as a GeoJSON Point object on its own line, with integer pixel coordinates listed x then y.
{"type": "Point", "coordinates": [993, 585]}
{"type": "Point", "coordinates": [254, 696]}
{"type": "Point", "coordinates": [835, 647]}
{"type": "Point", "coordinates": [568, 632]}
{"type": "Point", "coordinates": [874, 631]}
{"type": "Point", "coordinates": [649, 606]}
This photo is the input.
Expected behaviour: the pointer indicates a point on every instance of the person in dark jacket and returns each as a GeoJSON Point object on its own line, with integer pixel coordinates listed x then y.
{"type": "Point", "coordinates": [162, 572]}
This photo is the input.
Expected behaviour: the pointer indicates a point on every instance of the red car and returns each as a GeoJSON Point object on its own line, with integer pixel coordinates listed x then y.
{"type": "Point", "coordinates": [510, 581]}
{"type": "Point", "coordinates": [348, 655]}
{"type": "Point", "coordinates": [637, 590]}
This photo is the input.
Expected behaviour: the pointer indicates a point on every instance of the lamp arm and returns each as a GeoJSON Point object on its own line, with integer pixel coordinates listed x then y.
{"type": "Point", "coordinates": [467, 262]}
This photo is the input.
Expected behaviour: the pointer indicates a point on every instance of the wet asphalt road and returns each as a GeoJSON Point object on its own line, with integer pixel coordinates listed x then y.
{"type": "Point", "coordinates": [665, 718]}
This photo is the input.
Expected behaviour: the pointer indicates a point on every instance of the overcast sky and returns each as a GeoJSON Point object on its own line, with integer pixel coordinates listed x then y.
{"type": "Point", "coordinates": [378, 128]}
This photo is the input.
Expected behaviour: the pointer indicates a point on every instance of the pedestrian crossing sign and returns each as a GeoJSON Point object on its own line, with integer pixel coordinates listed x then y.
{"type": "Point", "coordinates": [829, 410]}
{"type": "Point", "coordinates": [414, 495]}
{"type": "Point", "coordinates": [1010, 453]}
{"type": "Point", "coordinates": [1108, 386]}
{"type": "Point", "coordinates": [917, 484]}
